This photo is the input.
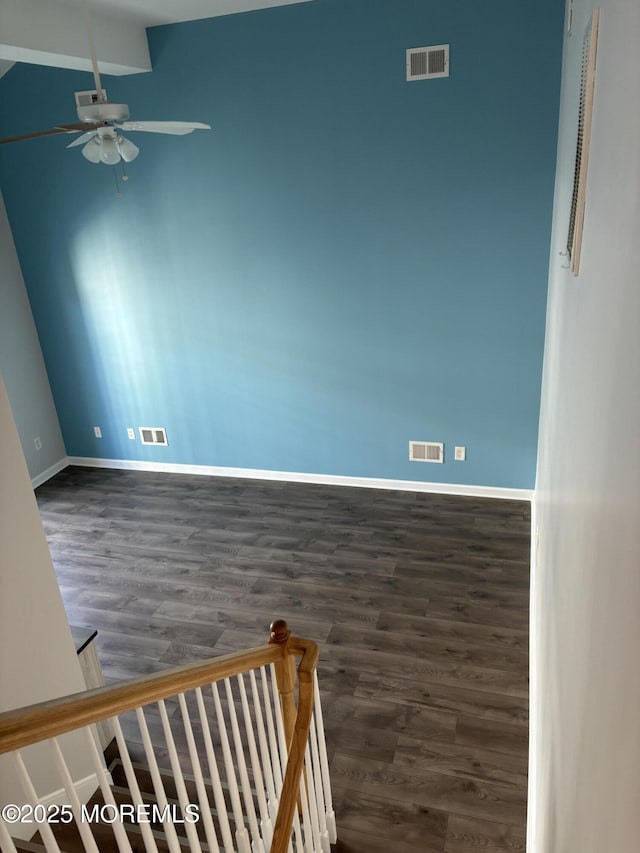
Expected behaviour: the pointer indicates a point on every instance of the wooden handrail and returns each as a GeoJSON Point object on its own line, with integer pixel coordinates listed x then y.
{"type": "Point", "coordinates": [24, 726]}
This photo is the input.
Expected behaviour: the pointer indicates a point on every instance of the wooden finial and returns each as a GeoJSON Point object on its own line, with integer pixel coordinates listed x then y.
{"type": "Point", "coordinates": [280, 633]}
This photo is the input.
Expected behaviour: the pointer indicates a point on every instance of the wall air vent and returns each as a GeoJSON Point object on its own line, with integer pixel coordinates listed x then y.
{"type": "Point", "coordinates": [153, 435]}
{"type": "Point", "coordinates": [85, 99]}
{"type": "Point", "coordinates": [426, 451]}
{"type": "Point", "coordinates": [423, 63]}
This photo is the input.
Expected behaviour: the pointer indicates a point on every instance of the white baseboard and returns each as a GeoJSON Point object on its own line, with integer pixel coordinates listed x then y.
{"type": "Point", "coordinates": [39, 479]}
{"type": "Point", "coordinates": [294, 477]}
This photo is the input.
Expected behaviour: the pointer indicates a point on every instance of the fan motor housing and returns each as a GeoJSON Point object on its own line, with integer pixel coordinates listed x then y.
{"type": "Point", "coordinates": [94, 113]}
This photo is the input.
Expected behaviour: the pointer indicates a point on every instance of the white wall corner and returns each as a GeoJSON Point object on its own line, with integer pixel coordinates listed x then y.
{"type": "Point", "coordinates": [50, 472]}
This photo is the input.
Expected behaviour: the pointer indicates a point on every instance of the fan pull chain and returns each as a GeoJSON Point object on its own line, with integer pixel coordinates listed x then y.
{"type": "Point", "coordinates": [115, 176]}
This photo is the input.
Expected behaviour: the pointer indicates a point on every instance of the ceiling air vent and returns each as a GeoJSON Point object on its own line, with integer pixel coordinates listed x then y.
{"type": "Point", "coordinates": [153, 435]}
{"type": "Point", "coordinates": [426, 451]}
{"type": "Point", "coordinates": [423, 63]}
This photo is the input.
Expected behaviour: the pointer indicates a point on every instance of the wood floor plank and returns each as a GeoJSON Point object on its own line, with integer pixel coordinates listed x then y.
{"type": "Point", "coordinates": [465, 762]}
{"type": "Point", "coordinates": [145, 626]}
{"type": "Point", "coordinates": [433, 645]}
{"type": "Point", "coordinates": [372, 823]}
{"type": "Point", "coordinates": [359, 595]}
{"type": "Point", "coordinates": [437, 671]}
{"type": "Point", "coordinates": [473, 835]}
{"type": "Point", "coordinates": [257, 603]}
{"type": "Point", "coordinates": [458, 700]}
{"type": "Point", "coordinates": [440, 791]}
{"type": "Point", "coordinates": [488, 635]}
{"type": "Point", "coordinates": [489, 734]}
{"type": "Point", "coordinates": [407, 719]}
{"type": "Point", "coordinates": [352, 737]}
{"type": "Point", "coordinates": [247, 618]}
{"type": "Point", "coordinates": [501, 574]}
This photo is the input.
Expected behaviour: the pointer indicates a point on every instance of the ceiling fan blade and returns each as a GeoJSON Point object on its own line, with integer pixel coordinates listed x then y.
{"type": "Point", "coordinates": [61, 128]}
{"type": "Point", "coordinates": [176, 128]}
{"type": "Point", "coordinates": [32, 135]}
{"type": "Point", "coordinates": [79, 125]}
{"type": "Point", "coordinates": [82, 139]}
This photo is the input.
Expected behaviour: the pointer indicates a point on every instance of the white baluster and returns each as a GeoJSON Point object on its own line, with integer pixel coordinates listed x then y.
{"type": "Point", "coordinates": [72, 798]}
{"type": "Point", "coordinates": [242, 836]}
{"type": "Point", "coordinates": [271, 729]}
{"type": "Point", "coordinates": [31, 798]}
{"type": "Point", "coordinates": [317, 782]}
{"type": "Point", "coordinates": [6, 842]}
{"type": "Point", "coordinates": [158, 787]}
{"type": "Point", "coordinates": [178, 778]}
{"type": "Point", "coordinates": [324, 763]}
{"type": "Point", "coordinates": [132, 783]}
{"type": "Point", "coordinates": [265, 819]}
{"type": "Point", "coordinates": [214, 775]}
{"type": "Point", "coordinates": [98, 762]}
{"type": "Point", "coordinates": [256, 841]}
{"type": "Point", "coordinates": [205, 809]}
{"type": "Point", "coordinates": [313, 800]}
{"type": "Point", "coordinates": [308, 845]}
{"type": "Point", "coordinates": [264, 746]}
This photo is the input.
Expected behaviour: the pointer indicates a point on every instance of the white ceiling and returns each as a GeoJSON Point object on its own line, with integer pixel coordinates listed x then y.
{"type": "Point", "coordinates": [152, 12]}
{"type": "Point", "coordinates": [53, 32]}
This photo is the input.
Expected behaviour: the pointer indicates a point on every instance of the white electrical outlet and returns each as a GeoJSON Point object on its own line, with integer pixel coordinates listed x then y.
{"type": "Point", "coordinates": [97, 432]}
{"type": "Point", "coordinates": [131, 433]}
{"type": "Point", "coordinates": [37, 443]}
{"type": "Point", "coordinates": [460, 454]}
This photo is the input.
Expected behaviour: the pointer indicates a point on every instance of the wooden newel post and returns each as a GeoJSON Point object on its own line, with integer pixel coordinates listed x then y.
{"type": "Point", "coordinates": [285, 676]}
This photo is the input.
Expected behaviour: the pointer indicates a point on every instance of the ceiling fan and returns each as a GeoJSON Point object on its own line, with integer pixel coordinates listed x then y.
{"type": "Point", "coordinates": [102, 122]}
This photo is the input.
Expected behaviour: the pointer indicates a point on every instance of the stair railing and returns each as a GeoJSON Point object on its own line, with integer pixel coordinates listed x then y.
{"type": "Point", "coordinates": [248, 725]}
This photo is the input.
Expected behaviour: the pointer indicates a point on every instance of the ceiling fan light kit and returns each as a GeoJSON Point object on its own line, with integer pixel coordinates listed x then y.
{"type": "Point", "coordinates": [106, 145]}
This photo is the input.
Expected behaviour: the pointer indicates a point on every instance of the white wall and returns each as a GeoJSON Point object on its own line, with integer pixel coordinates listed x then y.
{"type": "Point", "coordinates": [585, 758]}
{"type": "Point", "coordinates": [22, 364]}
{"type": "Point", "coordinates": [38, 660]}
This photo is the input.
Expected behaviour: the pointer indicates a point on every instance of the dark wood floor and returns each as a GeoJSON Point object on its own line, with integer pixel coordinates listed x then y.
{"type": "Point", "coordinates": [419, 603]}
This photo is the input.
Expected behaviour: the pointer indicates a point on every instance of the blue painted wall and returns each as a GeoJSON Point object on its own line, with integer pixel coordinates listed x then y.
{"type": "Point", "coordinates": [346, 262]}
